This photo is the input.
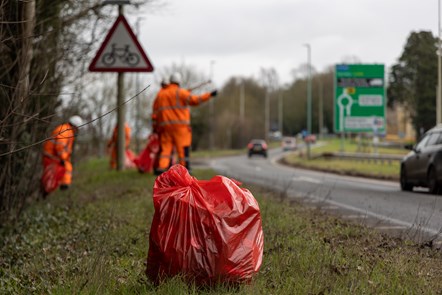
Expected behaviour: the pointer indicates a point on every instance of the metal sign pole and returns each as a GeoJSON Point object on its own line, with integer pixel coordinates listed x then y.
{"type": "Point", "coordinates": [120, 52]}
{"type": "Point", "coordinates": [120, 115]}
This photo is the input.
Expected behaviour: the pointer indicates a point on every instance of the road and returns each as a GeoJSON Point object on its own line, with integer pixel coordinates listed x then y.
{"type": "Point", "coordinates": [381, 204]}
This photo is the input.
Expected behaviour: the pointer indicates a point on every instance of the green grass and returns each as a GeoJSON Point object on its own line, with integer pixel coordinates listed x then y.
{"type": "Point", "coordinates": [93, 239]}
{"type": "Point", "coordinates": [355, 167]}
{"type": "Point", "coordinates": [355, 146]}
{"type": "Point", "coordinates": [380, 170]}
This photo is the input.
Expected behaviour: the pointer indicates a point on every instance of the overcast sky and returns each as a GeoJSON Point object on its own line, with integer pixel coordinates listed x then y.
{"type": "Point", "coordinates": [242, 36]}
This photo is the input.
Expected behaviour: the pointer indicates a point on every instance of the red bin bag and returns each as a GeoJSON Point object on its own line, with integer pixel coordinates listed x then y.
{"type": "Point", "coordinates": [208, 231]}
{"type": "Point", "coordinates": [129, 159]}
{"type": "Point", "coordinates": [52, 174]}
{"type": "Point", "coordinates": [145, 161]}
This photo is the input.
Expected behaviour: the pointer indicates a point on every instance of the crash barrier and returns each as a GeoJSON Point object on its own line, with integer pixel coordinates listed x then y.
{"type": "Point", "coordinates": [207, 231]}
{"type": "Point", "coordinates": [384, 158]}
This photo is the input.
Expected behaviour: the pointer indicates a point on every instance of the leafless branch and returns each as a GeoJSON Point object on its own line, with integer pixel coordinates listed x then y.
{"type": "Point", "coordinates": [87, 123]}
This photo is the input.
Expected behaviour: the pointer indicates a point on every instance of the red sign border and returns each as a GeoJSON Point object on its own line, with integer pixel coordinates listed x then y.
{"type": "Point", "coordinates": [94, 68]}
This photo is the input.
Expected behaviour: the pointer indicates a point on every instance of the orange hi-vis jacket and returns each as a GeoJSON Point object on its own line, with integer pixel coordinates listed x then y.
{"type": "Point", "coordinates": [172, 114]}
{"type": "Point", "coordinates": [171, 107]}
{"type": "Point", "coordinates": [60, 148]}
{"type": "Point", "coordinates": [113, 143]}
{"type": "Point", "coordinates": [154, 116]}
{"type": "Point", "coordinates": [127, 131]}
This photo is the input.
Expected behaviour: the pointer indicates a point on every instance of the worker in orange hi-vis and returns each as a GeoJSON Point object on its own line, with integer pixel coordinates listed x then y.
{"type": "Point", "coordinates": [59, 148]}
{"type": "Point", "coordinates": [112, 144]}
{"type": "Point", "coordinates": [171, 110]}
{"type": "Point", "coordinates": [154, 117]}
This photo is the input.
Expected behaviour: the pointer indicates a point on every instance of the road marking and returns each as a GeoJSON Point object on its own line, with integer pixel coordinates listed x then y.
{"type": "Point", "coordinates": [353, 216]}
{"type": "Point", "coordinates": [366, 212]}
{"type": "Point", "coordinates": [391, 227]}
{"type": "Point", "coordinates": [306, 179]}
{"type": "Point", "coordinates": [330, 207]}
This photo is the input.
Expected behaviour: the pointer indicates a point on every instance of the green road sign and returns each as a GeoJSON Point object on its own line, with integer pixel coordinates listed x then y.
{"type": "Point", "coordinates": [359, 98]}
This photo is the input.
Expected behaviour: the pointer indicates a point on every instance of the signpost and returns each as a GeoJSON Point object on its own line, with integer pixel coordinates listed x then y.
{"type": "Point", "coordinates": [120, 52]}
{"type": "Point", "coordinates": [359, 102]}
{"type": "Point", "coordinates": [359, 98]}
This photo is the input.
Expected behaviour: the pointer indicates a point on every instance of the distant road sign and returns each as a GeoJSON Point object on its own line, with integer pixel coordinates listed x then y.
{"type": "Point", "coordinates": [359, 98]}
{"type": "Point", "coordinates": [120, 51]}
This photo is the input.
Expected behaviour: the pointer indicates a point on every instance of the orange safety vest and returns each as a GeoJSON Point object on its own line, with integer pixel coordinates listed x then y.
{"type": "Point", "coordinates": [127, 131]}
{"type": "Point", "coordinates": [171, 107]}
{"type": "Point", "coordinates": [59, 147]}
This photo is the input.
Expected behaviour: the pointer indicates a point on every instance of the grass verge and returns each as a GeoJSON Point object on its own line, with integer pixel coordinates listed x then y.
{"type": "Point", "coordinates": [378, 170]}
{"type": "Point", "coordinates": [357, 146]}
{"type": "Point", "coordinates": [93, 239]}
{"type": "Point", "coordinates": [355, 167]}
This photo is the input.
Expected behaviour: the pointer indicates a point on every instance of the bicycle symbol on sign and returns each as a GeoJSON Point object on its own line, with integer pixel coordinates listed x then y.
{"type": "Point", "coordinates": [123, 54]}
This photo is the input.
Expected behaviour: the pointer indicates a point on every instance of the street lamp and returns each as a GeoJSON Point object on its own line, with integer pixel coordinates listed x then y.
{"type": "Point", "coordinates": [137, 86]}
{"type": "Point", "coordinates": [211, 111]}
{"type": "Point", "coordinates": [309, 96]}
{"type": "Point", "coordinates": [439, 72]}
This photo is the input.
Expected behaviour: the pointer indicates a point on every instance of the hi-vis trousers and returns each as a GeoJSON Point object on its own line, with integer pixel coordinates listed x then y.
{"type": "Point", "coordinates": [178, 136]}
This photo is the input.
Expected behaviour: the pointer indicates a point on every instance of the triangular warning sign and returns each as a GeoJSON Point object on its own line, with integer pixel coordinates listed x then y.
{"type": "Point", "coordinates": [120, 51]}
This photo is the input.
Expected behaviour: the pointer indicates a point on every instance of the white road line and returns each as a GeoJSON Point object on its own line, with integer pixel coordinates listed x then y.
{"type": "Point", "coordinates": [311, 201]}
{"type": "Point", "coordinates": [306, 179]}
{"type": "Point", "coordinates": [329, 207]}
{"type": "Point", "coordinates": [353, 216]}
{"type": "Point", "coordinates": [383, 217]}
{"type": "Point", "coordinates": [391, 227]}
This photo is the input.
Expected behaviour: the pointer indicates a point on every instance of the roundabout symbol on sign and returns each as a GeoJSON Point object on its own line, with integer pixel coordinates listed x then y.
{"type": "Point", "coordinates": [345, 101]}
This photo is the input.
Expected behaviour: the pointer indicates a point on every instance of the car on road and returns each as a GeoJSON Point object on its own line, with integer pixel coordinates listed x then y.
{"type": "Point", "coordinates": [422, 166]}
{"type": "Point", "coordinates": [288, 144]}
{"type": "Point", "coordinates": [257, 147]}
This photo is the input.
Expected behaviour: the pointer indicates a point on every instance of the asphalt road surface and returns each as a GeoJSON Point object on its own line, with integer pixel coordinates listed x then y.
{"type": "Point", "coordinates": [380, 204]}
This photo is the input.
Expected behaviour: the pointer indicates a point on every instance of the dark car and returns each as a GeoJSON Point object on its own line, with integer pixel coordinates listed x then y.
{"type": "Point", "coordinates": [257, 147]}
{"type": "Point", "coordinates": [422, 166]}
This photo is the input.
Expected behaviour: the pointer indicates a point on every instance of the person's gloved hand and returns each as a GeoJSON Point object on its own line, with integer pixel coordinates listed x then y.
{"type": "Point", "coordinates": [214, 93]}
{"type": "Point", "coordinates": [62, 163]}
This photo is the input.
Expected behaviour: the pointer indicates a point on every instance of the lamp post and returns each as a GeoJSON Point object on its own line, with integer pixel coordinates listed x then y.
{"type": "Point", "coordinates": [211, 112]}
{"type": "Point", "coordinates": [242, 110]}
{"type": "Point", "coordinates": [137, 86]}
{"type": "Point", "coordinates": [309, 96]}
{"type": "Point", "coordinates": [439, 72]}
{"type": "Point", "coordinates": [280, 108]}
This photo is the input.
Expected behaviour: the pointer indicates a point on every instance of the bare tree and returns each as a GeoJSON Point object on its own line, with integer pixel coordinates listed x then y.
{"type": "Point", "coordinates": [44, 52]}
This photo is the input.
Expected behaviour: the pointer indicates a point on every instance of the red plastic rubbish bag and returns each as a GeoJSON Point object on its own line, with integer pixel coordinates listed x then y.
{"type": "Point", "coordinates": [209, 231]}
{"type": "Point", "coordinates": [145, 161]}
{"type": "Point", "coordinates": [53, 172]}
{"type": "Point", "coordinates": [129, 159]}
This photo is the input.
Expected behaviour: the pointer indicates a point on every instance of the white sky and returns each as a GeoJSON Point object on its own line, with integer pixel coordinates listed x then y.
{"type": "Point", "coordinates": [242, 36]}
